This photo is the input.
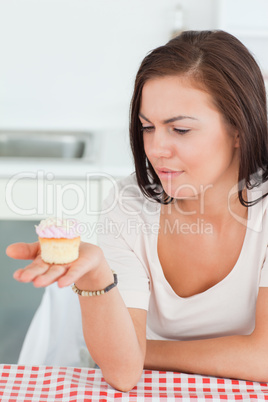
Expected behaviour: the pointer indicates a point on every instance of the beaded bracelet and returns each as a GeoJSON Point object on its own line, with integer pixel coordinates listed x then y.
{"type": "Point", "coordinates": [95, 292]}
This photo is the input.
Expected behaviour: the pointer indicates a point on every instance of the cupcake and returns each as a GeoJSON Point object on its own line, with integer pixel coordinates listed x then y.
{"type": "Point", "coordinates": [59, 240]}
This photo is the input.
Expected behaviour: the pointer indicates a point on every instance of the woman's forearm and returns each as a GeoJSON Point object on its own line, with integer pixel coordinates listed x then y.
{"type": "Point", "coordinates": [242, 357]}
{"type": "Point", "coordinates": [109, 332]}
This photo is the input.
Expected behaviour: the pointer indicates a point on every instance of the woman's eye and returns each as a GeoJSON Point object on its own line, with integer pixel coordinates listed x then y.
{"type": "Point", "coordinates": [181, 130]}
{"type": "Point", "coordinates": [147, 129]}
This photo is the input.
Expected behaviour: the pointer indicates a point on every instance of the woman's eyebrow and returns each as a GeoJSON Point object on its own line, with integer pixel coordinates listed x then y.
{"type": "Point", "coordinates": [171, 120]}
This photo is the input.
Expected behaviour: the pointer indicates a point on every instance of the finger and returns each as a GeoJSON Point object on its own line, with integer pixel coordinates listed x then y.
{"type": "Point", "coordinates": [17, 274]}
{"type": "Point", "coordinates": [50, 276]}
{"type": "Point", "coordinates": [77, 269]}
{"type": "Point", "coordinates": [23, 251]}
{"type": "Point", "coordinates": [29, 273]}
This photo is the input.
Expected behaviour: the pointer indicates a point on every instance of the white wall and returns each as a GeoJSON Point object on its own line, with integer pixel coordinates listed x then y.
{"type": "Point", "coordinates": [70, 64]}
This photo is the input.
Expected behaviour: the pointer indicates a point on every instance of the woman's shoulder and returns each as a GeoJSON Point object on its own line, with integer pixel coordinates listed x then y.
{"type": "Point", "coordinates": [259, 216]}
{"type": "Point", "coordinates": [128, 183]}
{"type": "Point", "coordinates": [125, 195]}
{"type": "Point", "coordinates": [258, 190]}
{"type": "Point", "coordinates": [259, 195]}
{"type": "Point", "coordinates": [124, 188]}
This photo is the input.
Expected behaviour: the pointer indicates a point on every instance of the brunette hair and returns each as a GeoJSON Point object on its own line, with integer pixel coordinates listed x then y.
{"type": "Point", "coordinates": [219, 63]}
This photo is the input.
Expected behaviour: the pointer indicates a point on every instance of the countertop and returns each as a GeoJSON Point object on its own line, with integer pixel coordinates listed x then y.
{"type": "Point", "coordinates": [113, 158]}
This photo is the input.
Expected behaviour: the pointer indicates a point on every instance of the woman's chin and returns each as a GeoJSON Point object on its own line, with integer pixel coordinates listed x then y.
{"type": "Point", "coordinates": [185, 193]}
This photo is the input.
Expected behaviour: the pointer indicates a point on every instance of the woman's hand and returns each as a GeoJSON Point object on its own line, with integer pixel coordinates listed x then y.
{"type": "Point", "coordinates": [115, 337]}
{"type": "Point", "coordinates": [43, 274]}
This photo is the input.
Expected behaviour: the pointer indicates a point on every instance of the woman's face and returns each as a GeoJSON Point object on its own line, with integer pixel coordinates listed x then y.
{"type": "Point", "coordinates": [185, 138]}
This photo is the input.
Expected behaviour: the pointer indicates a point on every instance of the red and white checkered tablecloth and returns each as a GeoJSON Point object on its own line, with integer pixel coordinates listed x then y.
{"type": "Point", "coordinates": [41, 383]}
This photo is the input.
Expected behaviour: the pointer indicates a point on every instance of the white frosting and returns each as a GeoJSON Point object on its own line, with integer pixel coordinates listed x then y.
{"type": "Point", "coordinates": [57, 228]}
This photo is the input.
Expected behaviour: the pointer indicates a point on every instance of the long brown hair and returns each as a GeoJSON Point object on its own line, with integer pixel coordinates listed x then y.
{"type": "Point", "coordinates": [219, 63]}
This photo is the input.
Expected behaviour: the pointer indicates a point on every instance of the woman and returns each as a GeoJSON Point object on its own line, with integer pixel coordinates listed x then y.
{"type": "Point", "coordinates": [188, 233]}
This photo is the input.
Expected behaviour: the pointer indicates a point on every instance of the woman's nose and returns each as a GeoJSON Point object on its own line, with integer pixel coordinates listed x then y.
{"type": "Point", "coordinates": [160, 146]}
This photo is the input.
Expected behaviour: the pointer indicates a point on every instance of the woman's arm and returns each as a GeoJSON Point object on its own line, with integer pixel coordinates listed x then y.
{"type": "Point", "coordinates": [116, 337]}
{"type": "Point", "coordinates": [243, 357]}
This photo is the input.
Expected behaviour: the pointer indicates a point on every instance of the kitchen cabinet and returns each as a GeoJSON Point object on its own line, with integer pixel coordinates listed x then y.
{"type": "Point", "coordinates": [35, 188]}
{"type": "Point", "coordinates": [18, 302]}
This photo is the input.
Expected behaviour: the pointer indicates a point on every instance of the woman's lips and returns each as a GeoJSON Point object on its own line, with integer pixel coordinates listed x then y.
{"type": "Point", "coordinates": [165, 173]}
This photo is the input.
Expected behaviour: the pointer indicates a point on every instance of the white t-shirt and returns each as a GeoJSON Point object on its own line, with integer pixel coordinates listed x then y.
{"type": "Point", "coordinates": [128, 232]}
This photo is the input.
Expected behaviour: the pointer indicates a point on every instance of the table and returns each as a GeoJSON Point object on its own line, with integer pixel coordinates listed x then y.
{"type": "Point", "coordinates": [50, 384]}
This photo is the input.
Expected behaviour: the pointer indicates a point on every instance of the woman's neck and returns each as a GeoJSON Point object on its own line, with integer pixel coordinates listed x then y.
{"type": "Point", "coordinates": [217, 207]}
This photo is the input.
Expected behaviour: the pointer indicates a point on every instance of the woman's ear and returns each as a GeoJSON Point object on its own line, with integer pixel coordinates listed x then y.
{"type": "Point", "coordinates": [236, 139]}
